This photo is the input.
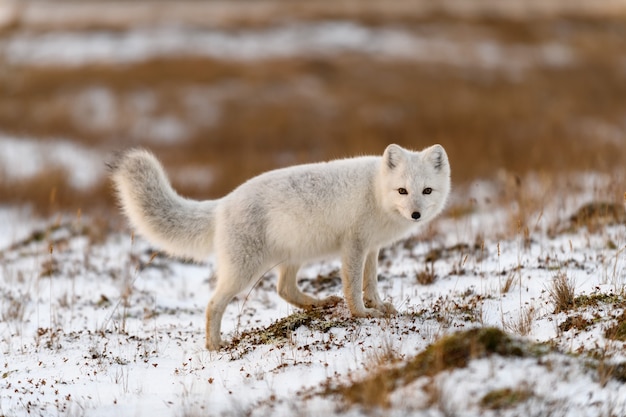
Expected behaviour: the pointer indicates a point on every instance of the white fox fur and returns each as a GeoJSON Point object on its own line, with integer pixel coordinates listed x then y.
{"type": "Point", "coordinates": [285, 217]}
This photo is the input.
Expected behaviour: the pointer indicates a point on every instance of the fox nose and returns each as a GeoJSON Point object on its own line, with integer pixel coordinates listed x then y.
{"type": "Point", "coordinates": [416, 215]}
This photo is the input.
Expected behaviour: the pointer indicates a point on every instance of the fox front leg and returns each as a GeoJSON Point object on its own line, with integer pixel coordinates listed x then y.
{"type": "Point", "coordinates": [352, 266]}
{"type": "Point", "coordinates": [288, 289]}
{"type": "Point", "coordinates": [370, 286]}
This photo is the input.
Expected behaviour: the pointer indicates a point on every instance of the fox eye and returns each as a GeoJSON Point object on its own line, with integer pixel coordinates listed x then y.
{"type": "Point", "coordinates": [402, 191]}
{"type": "Point", "coordinates": [427, 190]}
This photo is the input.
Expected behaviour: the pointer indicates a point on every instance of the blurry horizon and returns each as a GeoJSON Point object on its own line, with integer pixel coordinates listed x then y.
{"type": "Point", "coordinates": [222, 91]}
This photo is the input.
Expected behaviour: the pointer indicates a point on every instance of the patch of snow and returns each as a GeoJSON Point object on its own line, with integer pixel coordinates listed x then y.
{"type": "Point", "coordinates": [325, 38]}
{"type": "Point", "coordinates": [163, 130]}
{"type": "Point", "coordinates": [25, 158]}
{"type": "Point", "coordinates": [95, 109]}
{"type": "Point", "coordinates": [196, 176]}
{"type": "Point", "coordinates": [17, 224]}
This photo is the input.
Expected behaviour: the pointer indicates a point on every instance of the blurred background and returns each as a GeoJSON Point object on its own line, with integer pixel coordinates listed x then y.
{"type": "Point", "coordinates": [223, 90]}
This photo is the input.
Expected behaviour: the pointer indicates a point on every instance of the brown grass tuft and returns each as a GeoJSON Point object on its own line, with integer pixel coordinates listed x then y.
{"type": "Point", "coordinates": [562, 293]}
{"type": "Point", "coordinates": [426, 276]}
{"type": "Point", "coordinates": [597, 215]}
{"type": "Point", "coordinates": [524, 323]}
{"type": "Point", "coordinates": [618, 330]}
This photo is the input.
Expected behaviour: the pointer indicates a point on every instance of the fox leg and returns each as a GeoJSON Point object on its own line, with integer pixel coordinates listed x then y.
{"type": "Point", "coordinates": [214, 312]}
{"type": "Point", "coordinates": [370, 286]}
{"type": "Point", "coordinates": [231, 280]}
{"type": "Point", "coordinates": [352, 266]}
{"type": "Point", "coordinates": [289, 291]}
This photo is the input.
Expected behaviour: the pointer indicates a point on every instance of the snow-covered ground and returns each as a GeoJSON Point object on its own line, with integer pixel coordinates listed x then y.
{"type": "Point", "coordinates": [23, 158]}
{"type": "Point", "coordinates": [97, 325]}
{"type": "Point", "coordinates": [296, 40]}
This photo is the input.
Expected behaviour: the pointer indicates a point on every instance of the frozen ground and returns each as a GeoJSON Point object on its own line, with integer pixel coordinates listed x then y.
{"type": "Point", "coordinates": [98, 325]}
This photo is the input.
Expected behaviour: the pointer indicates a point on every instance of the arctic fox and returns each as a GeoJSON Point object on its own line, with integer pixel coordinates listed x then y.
{"type": "Point", "coordinates": [351, 207]}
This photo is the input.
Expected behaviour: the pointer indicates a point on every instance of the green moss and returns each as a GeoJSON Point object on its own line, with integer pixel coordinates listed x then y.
{"type": "Point", "coordinates": [595, 299]}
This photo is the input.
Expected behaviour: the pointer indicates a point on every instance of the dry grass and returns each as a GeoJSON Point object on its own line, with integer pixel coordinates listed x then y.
{"type": "Point", "coordinates": [597, 215]}
{"type": "Point", "coordinates": [427, 276]}
{"type": "Point", "coordinates": [505, 398]}
{"type": "Point", "coordinates": [524, 323]}
{"type": "Point", "coordinates": [562, 293]}
{"type": "Point", "coordinates": [107, 15]}
{"type": "Point", "coordinates": [49, 192]}
{"type": "Point", "coordinates": [285, 111]}
{"type": "Point", "coordinates": [577, 322]}
{"type": "Point", "coordinates": [453, 351]}
{"type": "Point", "coordinates": [618, 330]}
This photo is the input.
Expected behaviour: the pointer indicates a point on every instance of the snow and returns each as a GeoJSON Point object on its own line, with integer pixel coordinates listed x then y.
{"type": "Point", "coordinates": [26, 158]}
{"type": "Point", "coordinates": [16, 225]}
{"type": "Point", "coordinates": [98, 327]}
{"type": "Point", "coordinates": [22, 158]}
{"type": "Point", "coordinates": [289, 40]}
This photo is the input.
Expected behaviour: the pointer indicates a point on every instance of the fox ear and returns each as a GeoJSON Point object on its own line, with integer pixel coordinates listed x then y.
{"type": "Point", "coordinates": [393, 155]}
{"type": "Point", "coordinates": [437, 157]}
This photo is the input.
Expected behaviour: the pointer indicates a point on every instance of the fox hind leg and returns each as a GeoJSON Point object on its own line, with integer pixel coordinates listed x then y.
{"type": "Point", "coordinates": [288, 289]}
{"type": "Point", "coordinates": [214, 312]}
{"type": "Point", "coordinates": [231, 280]}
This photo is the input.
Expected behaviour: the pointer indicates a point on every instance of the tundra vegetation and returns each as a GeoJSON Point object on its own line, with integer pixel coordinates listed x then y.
{"type": "Point", "coordinates": [512, 303]}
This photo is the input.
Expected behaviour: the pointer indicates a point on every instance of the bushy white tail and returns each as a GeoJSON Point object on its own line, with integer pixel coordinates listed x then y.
{"type": "Point", "coordinates": [177, 225]}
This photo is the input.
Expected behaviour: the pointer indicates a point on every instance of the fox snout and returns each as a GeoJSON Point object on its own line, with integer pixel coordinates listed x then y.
{"type": "Point", "coordinates": [416, 215]}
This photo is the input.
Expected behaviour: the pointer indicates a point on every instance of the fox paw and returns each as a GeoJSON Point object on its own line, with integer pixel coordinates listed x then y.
{"type": "Point", "coordinates": [368, 313]}
{"type": "Point", "coordinates": [330, 301]}
{"type": "Point", "coordinates": [215, 345]}
{"type": "Point", "coordinates": [314, 303]}
{"type": "Point", "coordinates": [386, 308]}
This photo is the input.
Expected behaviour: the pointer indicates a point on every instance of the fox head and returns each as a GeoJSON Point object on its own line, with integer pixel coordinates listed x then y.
{"type": "Point", "coordinates": [415, 185]}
